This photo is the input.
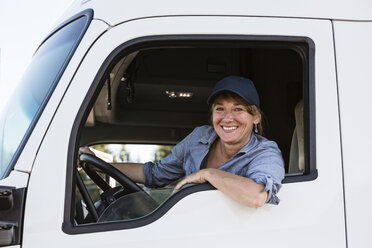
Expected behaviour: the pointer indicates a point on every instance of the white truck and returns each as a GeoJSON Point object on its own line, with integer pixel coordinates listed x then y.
{"type": "Point", "coordinates": [139, 72]}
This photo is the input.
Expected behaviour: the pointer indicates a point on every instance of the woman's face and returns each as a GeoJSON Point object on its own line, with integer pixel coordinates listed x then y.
{"type": "Point", "coordinates": [232, 122]}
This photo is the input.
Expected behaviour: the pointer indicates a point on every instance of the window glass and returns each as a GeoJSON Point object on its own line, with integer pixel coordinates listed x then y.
{"type": "Point", "coordinates": [34, 89]}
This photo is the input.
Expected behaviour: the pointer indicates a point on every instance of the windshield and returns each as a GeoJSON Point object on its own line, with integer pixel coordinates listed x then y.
{"type": "Point", "coordinates": [34, 89]}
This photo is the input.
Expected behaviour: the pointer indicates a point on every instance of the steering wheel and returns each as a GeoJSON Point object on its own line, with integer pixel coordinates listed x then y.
{"type": "Point", "coordinates": [129, 186]}
{"type": "Point", "coordinates": [127, 183]}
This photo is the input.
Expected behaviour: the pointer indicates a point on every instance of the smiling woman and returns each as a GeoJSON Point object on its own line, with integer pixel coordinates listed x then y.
{"type": "Point", "coordinates": [238, 162]}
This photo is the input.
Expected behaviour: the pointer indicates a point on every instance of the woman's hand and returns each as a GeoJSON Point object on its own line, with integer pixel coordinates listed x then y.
{"type": "Point", "coordinates": [85, 149]}
{"type": "Point", "coordinates": [197, 177]}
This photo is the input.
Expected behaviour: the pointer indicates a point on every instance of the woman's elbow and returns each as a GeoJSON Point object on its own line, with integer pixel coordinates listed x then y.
{"type": "Point", "coordinates": [261, 200]}
{"type": "Point", "coordinates": [256, 201]}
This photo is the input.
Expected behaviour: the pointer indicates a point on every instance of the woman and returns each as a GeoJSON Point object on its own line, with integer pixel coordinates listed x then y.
{"type": "Point", "coordinates": [230, 155]}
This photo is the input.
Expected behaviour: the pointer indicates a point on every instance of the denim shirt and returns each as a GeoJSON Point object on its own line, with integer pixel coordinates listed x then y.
{"type": "Point", "coordinates": [259, 160]}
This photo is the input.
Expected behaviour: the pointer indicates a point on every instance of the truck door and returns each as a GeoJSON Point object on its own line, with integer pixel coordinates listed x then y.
{"type": "Point", "coordinates": [311, 211]}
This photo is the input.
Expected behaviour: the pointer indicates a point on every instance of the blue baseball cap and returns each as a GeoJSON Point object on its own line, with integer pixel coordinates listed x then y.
{"type": "Point", "coordinates": [243, 87]}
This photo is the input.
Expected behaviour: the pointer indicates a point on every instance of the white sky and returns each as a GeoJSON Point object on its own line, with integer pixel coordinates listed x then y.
{"type": "Point", "coordinates": [23, 25]}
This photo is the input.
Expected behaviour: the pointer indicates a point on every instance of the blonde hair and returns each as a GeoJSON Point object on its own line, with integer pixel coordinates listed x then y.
{"type": "Point", "coordinates": [251, 109]}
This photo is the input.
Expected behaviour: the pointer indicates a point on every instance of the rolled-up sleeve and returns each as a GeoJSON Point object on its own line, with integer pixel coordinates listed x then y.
{"type": "Point", "coordinates": [271, 187]}
{"type": "Point", "coordinates": [268, 170]}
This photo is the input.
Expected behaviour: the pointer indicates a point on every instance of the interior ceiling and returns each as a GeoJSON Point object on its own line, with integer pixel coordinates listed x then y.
{"type": "Point", "coordinates": [142, 97]}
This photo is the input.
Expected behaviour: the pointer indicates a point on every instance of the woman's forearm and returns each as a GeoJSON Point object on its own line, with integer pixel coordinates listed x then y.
{"type": "Point", "coordinates": [132, 170]}
{"type": "Point", "coordinates": [240, 189]}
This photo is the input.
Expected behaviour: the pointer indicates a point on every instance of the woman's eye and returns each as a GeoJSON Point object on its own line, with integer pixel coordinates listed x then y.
{"type": "Point", "coordinates": [219, 109]}
{"type": "Point", "coordinates": [238, 109]}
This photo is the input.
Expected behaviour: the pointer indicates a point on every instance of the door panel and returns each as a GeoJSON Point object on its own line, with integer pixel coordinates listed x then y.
{"type": "Point", "coordinates": [310, 214]}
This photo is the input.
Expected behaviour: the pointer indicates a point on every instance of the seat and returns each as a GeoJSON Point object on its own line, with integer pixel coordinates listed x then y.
{"type": "Point", "coordinates": [296, 156]}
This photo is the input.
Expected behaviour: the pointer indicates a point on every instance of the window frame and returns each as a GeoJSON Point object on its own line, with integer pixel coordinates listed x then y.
{"type": "Point", "coordinates": [308, 59]}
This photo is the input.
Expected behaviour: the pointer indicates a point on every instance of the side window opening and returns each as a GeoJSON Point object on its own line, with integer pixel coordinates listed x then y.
{"type": "Point", "coordinates": [157, 94]}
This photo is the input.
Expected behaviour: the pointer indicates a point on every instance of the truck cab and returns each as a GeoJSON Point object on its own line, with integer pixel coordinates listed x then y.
{"type": "Point", "coordinates": [132, 79]}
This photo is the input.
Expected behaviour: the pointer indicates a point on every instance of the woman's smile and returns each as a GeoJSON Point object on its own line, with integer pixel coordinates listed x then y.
{"type": "Point", "coordinates": [229, 128]}
{"type": "Point", "coordinates": [232, 122]}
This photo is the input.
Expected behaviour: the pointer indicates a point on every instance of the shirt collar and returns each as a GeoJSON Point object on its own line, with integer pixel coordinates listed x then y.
{"type": "Point", "coordinates": [249, 145]}
{"type": "Point", "coordinates": [209, 138]}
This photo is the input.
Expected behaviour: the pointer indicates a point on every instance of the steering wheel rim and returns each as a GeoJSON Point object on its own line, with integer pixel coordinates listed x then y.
{"type": "Point", "coordinates": [110, 170]}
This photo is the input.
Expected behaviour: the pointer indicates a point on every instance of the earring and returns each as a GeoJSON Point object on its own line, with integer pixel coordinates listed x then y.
{"type": "Point", "coordinates": [255, 128]}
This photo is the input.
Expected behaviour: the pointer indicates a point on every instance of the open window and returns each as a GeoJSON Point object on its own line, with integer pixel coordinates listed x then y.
{"type": "Point", "coordinates": [154, 93]}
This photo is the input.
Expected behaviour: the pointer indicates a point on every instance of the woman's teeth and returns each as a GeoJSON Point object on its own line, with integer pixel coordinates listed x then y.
{"type": "Point", "coordinates": [229, 128]}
